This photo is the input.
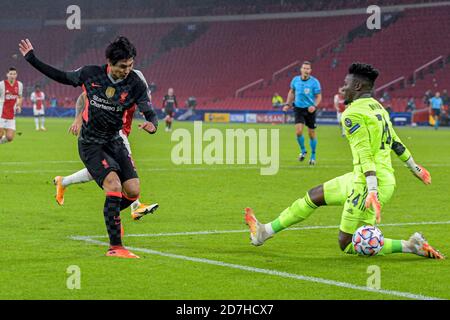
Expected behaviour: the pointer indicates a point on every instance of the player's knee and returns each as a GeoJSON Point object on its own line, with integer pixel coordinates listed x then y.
{"type": "Point", "coordinates": [132, 190]}
{"type": "Point", "coordinates": [133, 193]}
{"type": "Point", "coordinates": [9, 137]}
{"type": "Point", "coordinates": [344, 240]}
{"type": "Point", "coordinates": [112, 183]}
{"type": "Point", "coordinates": [317, 196]}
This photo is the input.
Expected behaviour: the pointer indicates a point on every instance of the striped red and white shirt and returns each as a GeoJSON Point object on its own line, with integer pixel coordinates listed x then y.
{"type": "Point", "coordinates": [9, 93]}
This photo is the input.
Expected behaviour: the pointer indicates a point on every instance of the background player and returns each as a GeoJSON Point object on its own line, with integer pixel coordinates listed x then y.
{"type": "Point", "coordinates": [370, 186]}
{"type": "Point", "coordinates": [138, 209]}
{"type": "Point", "coordinates": [38, 98]}
{"type": "Point", "coordinates": [436, 105]}
{"type": "Point", "coordinates": [339, 105]}
{"type": "Point", "coordinates": [170, 107]}
{"type": "Point", "coordinates": [111, 89]}
{"type": "Point", "coordinates": [305, 96]}
{"type": "Point", "coordinates": [11, 91]}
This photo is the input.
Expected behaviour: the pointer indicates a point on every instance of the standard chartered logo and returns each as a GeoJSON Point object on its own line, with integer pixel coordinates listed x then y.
{"type": "Point", "coordinates": [235, 147]}
{"type": "Point", "coordinates": [104, 104]}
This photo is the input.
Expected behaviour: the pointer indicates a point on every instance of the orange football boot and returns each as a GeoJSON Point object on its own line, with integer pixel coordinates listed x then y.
{"type": "Point", "coordinates": [120, 252]}
{"type": "Point", "coordinates": [57, 181]}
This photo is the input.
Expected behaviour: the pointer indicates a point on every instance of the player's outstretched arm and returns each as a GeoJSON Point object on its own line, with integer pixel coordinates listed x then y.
{"type": "Point", "coordinates": [404, 155]}
{"type": "Point", "coordinates": [69, 78]}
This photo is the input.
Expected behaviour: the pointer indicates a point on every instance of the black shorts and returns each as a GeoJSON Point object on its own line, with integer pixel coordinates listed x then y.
{"type": "Point", "coordinates": [169, 112]}
{"type": "Point", "coordinates": [302, 115]}
{"type": "Point", "coordinates": [100, 160]}
{"type": "Point", "coordinates": [436, 112]}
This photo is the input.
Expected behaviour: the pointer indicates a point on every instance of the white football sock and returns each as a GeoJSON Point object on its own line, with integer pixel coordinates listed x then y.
{"type": "Point", "coordinates": [3, 140]}
{"type": "Point", "coordinates": [36, 121]}
{"type": "Point", "coordinates": [81, 176]}
{"type": "Point", "coordinates": [42, 122]}
{"type": "Point", "coordinates": [269, 229]}
{"type": "Point", "coordinates": [135, 205]}
{"type": "Point", "coordinates": [407, 247]}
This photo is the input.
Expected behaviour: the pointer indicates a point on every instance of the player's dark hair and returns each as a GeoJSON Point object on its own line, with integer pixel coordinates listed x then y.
{"type": "Point", "coordinates": [12, 69]}
{"type": "Point", "coordinates": [307, 63]}
{"type": "Point", "coordinates": [364, 71]}
{"type": "Point", "coordinates": [121, 48]}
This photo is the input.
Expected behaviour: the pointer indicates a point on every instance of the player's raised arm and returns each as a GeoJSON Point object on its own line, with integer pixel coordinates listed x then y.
{"type": "Point", "coordinates": [68, 78]}
{"type": "Point", "coordinates": [405, 155]}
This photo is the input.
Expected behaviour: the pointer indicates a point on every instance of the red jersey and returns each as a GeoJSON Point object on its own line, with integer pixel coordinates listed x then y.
{"type": "Point", "coordinates": [9, 93]}
{"type": "Point", "coordinates": [339, 98]}
{"type": "Point", "coordinates": [37, 97]}
{"type": "Point", "coordinates": [127, 120]}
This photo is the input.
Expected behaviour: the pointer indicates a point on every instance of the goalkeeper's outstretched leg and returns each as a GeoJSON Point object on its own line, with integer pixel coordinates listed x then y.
{"type": "Point", "coordinates": [357, 211]}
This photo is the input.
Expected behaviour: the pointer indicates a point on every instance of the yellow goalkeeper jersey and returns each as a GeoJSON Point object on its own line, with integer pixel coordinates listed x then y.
{"type": "Point", "coordinates": [372, 138]}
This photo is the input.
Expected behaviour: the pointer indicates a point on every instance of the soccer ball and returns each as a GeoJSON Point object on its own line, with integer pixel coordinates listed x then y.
{"type": "Point", "coordinates": [368, 240]}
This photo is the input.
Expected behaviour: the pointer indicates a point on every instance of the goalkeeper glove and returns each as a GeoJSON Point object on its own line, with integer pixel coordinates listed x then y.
{"type": "Point", "coordinates": [420, 172]}
{"type": "Point", "coordinates": [372, 197]}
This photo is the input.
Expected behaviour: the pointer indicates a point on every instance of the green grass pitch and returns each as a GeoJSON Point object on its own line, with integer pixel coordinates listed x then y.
{"type": "Point", "coordinates": [297, 264]}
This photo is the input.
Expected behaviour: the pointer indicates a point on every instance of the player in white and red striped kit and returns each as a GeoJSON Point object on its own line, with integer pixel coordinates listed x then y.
{"type": "Point", "coordinates": [339, 105]}
{"type": "Point", "coordinates": [38, 98]}
{"type": "Point", "coordinates": [11, 91]}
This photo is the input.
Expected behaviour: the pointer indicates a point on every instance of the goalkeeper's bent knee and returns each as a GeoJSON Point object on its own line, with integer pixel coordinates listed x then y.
{"type": "Point", "coordinates": [297, 212]}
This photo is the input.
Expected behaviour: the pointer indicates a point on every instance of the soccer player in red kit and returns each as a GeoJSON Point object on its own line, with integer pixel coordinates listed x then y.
{"type": "Point", "coordinates": [11, 91]}
{"type": "Point", "coordinates": [170, 107]}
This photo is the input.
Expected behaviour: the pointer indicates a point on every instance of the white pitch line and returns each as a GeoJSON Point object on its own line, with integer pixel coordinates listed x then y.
{"type": "Point", "coordinates": [144, 160]}
{"type": "Point", "coordinates": [169, 234]}
{"type": "Point", "coordinates": [275, 273]}
{"type": "Point", "coordinates": [187, 168]}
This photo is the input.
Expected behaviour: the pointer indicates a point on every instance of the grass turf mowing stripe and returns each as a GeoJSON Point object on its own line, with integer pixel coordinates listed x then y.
{"type": "Point", "coordinates": [281, 274]}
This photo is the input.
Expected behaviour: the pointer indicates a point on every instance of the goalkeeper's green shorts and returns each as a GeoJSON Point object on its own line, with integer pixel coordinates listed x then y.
{"type": "Point", "coordinates": [352, 195]}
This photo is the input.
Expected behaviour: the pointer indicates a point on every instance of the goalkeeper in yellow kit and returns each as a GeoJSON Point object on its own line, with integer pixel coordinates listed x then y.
{"type": "Point", "coordinates": [370, 186]}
